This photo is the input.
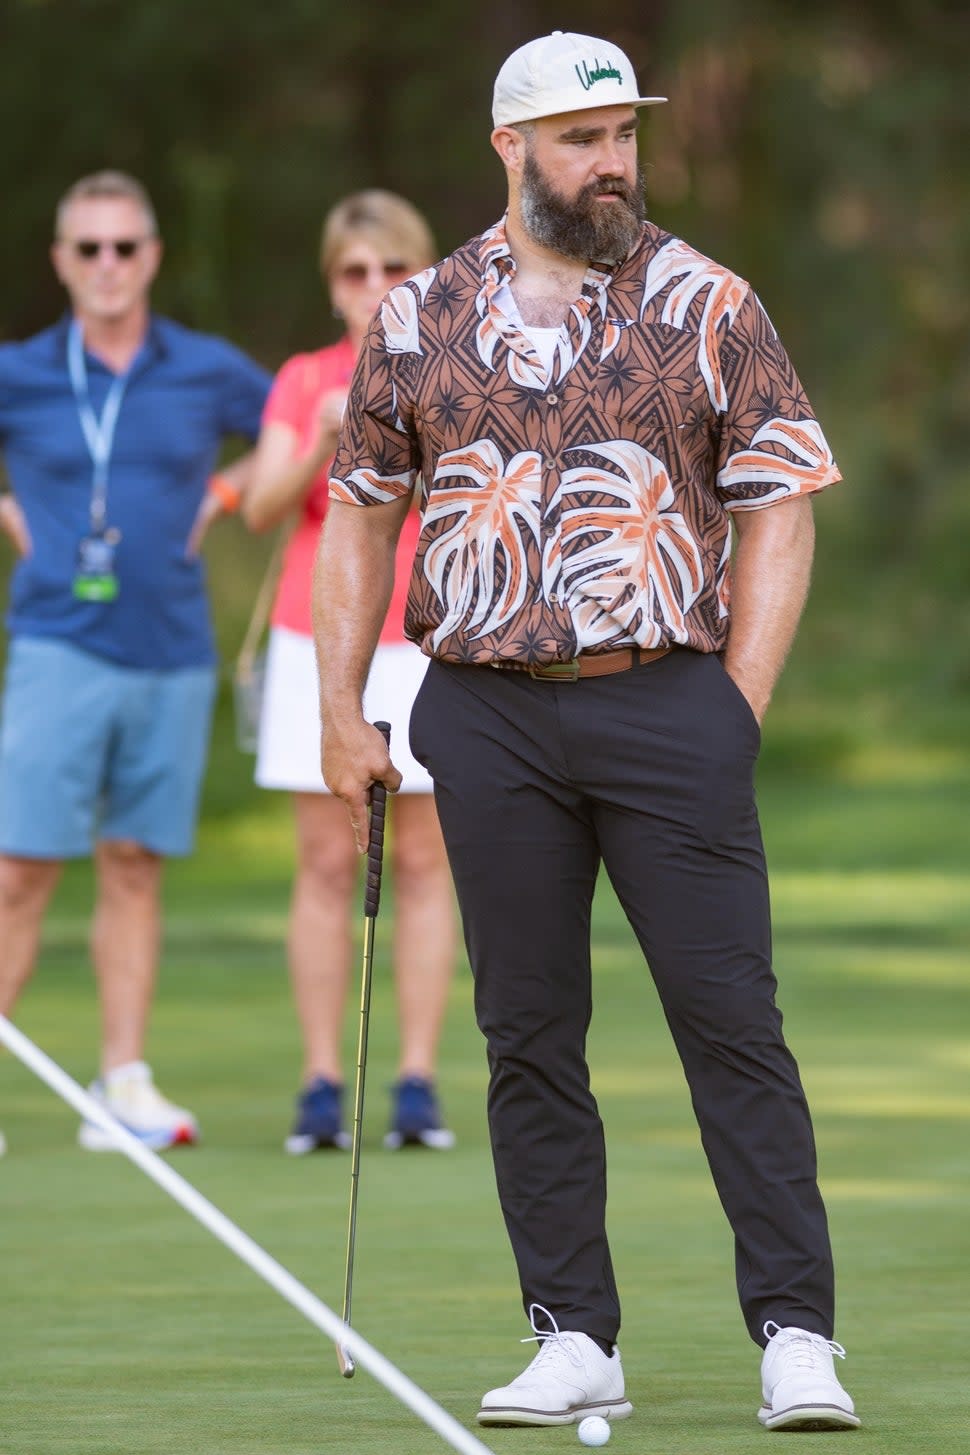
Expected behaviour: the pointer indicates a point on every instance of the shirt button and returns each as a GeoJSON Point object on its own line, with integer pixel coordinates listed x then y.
{"type": "Point", "coordinates": [552, 398]}
{"type": "Point", "coordinates": [553, 600]}
{"type": "Point", "coordinates": [548, 464]}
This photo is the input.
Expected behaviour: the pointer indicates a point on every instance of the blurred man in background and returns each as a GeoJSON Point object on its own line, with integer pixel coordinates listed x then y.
{"type": "Point", "coordinates": [111, 423]}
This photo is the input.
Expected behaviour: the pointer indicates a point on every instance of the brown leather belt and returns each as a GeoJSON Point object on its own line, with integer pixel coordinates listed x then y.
{"type": "Point", "coordinates": [590, 664]}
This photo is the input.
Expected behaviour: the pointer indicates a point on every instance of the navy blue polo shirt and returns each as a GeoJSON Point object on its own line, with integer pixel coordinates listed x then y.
{"type": "Point", "coordinates": [186, 393]}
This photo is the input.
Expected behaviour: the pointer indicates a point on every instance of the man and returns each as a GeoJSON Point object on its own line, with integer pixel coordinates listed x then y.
{"type": "Point", "coordinates": [590, 404]}
{"type": "Point", "coordinates": [110, 424]}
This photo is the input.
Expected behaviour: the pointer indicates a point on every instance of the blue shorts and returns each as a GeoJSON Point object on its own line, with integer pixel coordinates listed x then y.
{"type": "Point", "coordinates": [90, 750]}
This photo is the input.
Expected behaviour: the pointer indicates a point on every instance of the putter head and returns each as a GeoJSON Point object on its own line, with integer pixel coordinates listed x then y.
{"type": "Point", "coordinates": [347, 1366]}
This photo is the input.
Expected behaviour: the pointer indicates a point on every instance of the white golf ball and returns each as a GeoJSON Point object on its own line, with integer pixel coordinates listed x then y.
{"type": "Point", "coordinates": [594, 1430]}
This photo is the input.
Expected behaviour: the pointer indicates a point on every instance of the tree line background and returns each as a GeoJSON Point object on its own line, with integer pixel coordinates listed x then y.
{"type": "Point", "coordinates": [820, 151]}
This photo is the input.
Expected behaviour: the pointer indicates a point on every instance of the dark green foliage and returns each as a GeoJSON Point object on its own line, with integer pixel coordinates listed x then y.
{"type": "Point", "coordinates": [819, 150]}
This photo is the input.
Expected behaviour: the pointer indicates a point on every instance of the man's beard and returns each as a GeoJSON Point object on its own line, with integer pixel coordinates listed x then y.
{"type": "Point", "coordinates": [584, 229]}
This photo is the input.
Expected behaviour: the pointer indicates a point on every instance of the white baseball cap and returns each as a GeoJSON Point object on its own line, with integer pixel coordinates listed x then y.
{"type": "Point", "coordinates": [564, 72]}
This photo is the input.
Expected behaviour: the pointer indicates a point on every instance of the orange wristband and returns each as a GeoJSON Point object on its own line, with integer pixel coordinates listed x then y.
{"type": "Point", "coordinates": [227, 494]}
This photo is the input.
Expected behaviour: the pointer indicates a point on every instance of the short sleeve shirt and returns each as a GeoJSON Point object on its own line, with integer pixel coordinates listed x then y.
{"type": "Point", "coordinates": [583, 506]}
{"type": "Point", "coordinates": [186, 393]}
{"type": "Point", "coordinates": [294, 401]}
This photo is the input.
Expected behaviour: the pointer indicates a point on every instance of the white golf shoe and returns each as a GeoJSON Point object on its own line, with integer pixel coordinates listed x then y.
{"type": "Point", "coordinates": [131, 1095]}
{"type": "Point", "coordinates": [800, 1390]}
{"type": "Point", "coordinates": [569, 1378]}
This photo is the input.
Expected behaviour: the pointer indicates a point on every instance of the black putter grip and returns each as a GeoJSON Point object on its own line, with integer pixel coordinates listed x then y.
{"type": "Point", "coordinates": [375, 841]}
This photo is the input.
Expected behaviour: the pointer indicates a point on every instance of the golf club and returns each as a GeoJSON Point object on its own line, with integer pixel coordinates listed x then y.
{"type": "Point", "coordinates": [238, 1242]}
{"type": "Point", "coordinates": [372, 900]}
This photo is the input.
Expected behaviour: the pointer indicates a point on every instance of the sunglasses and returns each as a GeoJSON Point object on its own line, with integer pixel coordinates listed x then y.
{"type": "Point", "coordinates": [123, 247]}
{"type": "Point", "coordinates": [357, 274]}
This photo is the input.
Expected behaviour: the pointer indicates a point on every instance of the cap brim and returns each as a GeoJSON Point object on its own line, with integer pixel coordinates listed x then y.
{"type": "Point", "coordinates": [530, 114]}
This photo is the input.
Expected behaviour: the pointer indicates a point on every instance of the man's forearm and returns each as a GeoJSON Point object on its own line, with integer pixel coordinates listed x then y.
{"type": "Point", "coordinates": [352, 583]}
{"type": "Point", "coordinates": [772, 570]}
{"type": "Point", "coordinates": [352, 586]}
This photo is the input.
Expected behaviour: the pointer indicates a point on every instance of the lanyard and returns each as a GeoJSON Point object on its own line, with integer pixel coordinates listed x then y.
{"type": "Point", "coordinates": [99, 434]}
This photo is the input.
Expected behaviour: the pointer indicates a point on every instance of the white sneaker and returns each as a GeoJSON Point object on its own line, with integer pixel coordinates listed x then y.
{"type": "Point", "coordinates": [569, 1378]}
{"type": "Point", "coordinates": [800, 1390]}
{"type": "Point", "coordinates": [131, 1096]}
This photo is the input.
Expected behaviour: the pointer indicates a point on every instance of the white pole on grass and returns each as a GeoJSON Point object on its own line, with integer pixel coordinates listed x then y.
{"type": "Point", "coordinates": [242, 1245]}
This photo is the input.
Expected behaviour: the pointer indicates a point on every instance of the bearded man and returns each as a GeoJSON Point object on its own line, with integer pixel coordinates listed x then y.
{"type": "Point", "coordinates": [594, 413]}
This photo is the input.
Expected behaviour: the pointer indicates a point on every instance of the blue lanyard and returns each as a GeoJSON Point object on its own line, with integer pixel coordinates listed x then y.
{"type": "Point", "coordinates": [99, 434]}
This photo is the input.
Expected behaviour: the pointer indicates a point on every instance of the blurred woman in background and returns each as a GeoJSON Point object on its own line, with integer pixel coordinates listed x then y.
{"type": "Point", "coordinates": [371, 242]}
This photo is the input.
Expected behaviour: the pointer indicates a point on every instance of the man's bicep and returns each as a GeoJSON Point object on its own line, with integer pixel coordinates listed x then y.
{"type": "Point", "coordinates": [352, 582]}
{"type": "Point", "coordinates": [783, 526]}
{"type": "Point", "coordinates": [368, 531]}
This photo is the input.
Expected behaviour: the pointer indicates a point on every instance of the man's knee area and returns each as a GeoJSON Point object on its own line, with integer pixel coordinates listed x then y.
{"type": "Point", "coordinates": [528, 1036]}
{"type": "Point", "coordinates": [128, 867]}
{"type": "Point", "coordinates": [26, 882]}
{"type": "Point", "coordinates": [724, 1014]}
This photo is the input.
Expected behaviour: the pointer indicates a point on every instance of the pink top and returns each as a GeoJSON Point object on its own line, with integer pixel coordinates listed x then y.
{"type": "Point", "coordinates": [293, 401]}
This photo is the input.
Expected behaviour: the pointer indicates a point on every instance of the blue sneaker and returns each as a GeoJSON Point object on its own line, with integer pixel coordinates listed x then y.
{"type": "Point", "coordinates": [416, 1117]}
{"type": "Point", "coordinates": [319, 1122]}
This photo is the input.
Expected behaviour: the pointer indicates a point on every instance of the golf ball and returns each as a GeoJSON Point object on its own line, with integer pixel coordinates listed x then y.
{"type": "Point", "coordinates": [594, 1430]}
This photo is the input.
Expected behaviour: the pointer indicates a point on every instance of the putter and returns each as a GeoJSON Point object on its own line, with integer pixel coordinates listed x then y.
{"type": "Point", "coordinates": [372, 899]}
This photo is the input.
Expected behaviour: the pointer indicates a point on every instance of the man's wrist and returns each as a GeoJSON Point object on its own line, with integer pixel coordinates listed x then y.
{"type": "Point", "coordinates": [227, 494]}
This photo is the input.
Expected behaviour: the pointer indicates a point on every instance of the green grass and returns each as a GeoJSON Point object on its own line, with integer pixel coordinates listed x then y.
{"type": "Point", "coordinates": [124, 1327]}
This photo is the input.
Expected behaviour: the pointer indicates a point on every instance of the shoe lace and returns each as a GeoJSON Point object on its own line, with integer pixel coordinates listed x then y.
{"type": "Point", "coordinates": [802, 1347]}
{"type": "Point", "coordinates": [140, 1098]}
{"type": "Point", "coordinates": [556, 1341]}
{"type": "Point", "coordinates": [149, 1105]}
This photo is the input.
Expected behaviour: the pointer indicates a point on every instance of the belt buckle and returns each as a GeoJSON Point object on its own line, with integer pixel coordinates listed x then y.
{"type": "Point", "coordinates": [556, 671]}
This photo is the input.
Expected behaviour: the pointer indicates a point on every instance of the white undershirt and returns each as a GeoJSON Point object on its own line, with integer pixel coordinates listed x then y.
{"type": "Point", "coordinates": [543, 340]}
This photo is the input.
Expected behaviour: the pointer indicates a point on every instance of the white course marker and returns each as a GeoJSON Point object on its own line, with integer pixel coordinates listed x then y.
{"type": "Point", "coordinates": [242, 1245]}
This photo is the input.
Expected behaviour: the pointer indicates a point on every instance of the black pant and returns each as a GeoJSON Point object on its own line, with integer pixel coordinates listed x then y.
{"type": "Point", "coordinates": [651, 771]}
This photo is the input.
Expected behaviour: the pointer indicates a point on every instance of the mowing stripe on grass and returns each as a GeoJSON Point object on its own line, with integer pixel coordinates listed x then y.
{"type": "Point", "coordinates": [242, 1245]}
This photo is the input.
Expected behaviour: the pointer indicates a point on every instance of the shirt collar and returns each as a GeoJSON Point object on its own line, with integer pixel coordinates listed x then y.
{"type": "Point", "coordinates": [497, 261]}
{"type": "Point", "coordinates": [154, 346]}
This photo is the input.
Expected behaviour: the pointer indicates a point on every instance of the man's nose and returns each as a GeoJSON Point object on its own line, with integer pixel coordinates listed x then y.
{"type": "Point", "coordinates": [609, 161]}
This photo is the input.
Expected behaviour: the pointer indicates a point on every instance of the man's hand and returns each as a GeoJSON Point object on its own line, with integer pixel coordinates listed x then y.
{"type": "Point", "coordinates": [354, 757]}
{"type": "Point", "coordinates": [210, 508]}
{"type": "Point", "coordinates": [352, 583]}
{"type": "Point", "coordinates": [13, 524]}
{"type": "Point", "coordinates": [225, 491]}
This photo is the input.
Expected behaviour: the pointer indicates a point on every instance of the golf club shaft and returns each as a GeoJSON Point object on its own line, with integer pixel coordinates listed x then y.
{"type": "Point", "coordinates": [372, 900]}
{"type": "Point", "coordinates": [346, 1364]}
{"type": "Point", "coordinates": [241, 1244]}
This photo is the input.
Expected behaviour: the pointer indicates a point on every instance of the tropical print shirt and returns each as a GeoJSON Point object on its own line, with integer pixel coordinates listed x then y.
{"type": "Point", "coordinates": [584, 507]}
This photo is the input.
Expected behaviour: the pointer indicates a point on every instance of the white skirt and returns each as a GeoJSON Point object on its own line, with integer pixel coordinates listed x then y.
{"type": "Point", "coordinates": [289, 726]}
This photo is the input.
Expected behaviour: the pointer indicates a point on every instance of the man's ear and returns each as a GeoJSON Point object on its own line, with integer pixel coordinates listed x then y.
{"type": "Point", "coordinates": [510, 145]}
{"type": "Point", "coordinates": [157, 252]}
{"type": "Point", "coordinates": [55, 256]}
